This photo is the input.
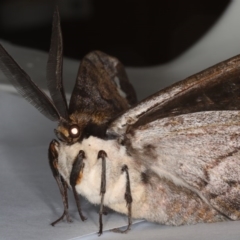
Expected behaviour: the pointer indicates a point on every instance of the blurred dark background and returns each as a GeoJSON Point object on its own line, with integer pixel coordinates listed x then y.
{"type": "Point", "coordinates": [138, 32]}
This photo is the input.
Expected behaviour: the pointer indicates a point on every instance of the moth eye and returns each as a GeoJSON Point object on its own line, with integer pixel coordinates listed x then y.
{"type": "Point", "coordinates": [74, 131]}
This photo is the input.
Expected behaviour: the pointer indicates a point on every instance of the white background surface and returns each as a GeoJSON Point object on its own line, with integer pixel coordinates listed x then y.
{"type": "Point", "coordinates": [29, 198]}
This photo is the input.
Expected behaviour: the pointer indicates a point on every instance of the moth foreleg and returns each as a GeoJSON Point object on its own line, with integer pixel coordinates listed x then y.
{"type": "Point", "coordinates": [62, 185]}
{"type": "Point", "coordinates": [75, 178]}
{"type": "Point", "coordinates": [63, 190]}
{"type": "Point", "coordinates": [128, 199]}
{"type": "Point", "coordinates": [102, 154]}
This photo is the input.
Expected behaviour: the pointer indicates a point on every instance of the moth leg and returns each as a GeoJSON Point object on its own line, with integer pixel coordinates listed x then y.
{"type": "Point", "coordinates": [75, 178]}
{"type": "Point", "coordinates": [62, 185]}
{"type": "Point", "coordinates": [128, 198]}
{"type": "Point", "coordinates": [105, 210]}
{"type": "Point", "coordinates": [102, 154]}
{"type": "Point", "coordinates": [64, 195]}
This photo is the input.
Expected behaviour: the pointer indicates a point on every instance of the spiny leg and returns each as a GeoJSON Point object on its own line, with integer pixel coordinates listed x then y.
{"type": "Point", "coordinates": [128, 198]}
{"type": "Point", "coordinates": [75, 178]}
{"type": "Point", "coordinates": [62, 185]}
{"type": "Point", "coordinates": [64, 195]}
{"type": "Point", "coordinates": [105, 210]}
{"type": "Point", "coordinates": [102, 154]}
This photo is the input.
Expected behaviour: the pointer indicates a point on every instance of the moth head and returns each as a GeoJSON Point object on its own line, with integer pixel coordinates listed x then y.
{"type": "Point", "coordinates": [80, 125]}
{"type": "Point", "coordinates": [68, 132]}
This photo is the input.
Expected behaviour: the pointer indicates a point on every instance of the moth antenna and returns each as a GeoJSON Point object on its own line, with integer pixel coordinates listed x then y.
{"type": "Point", "coordinates": [76, 174]}
{"type": "Point", "coordinates": [128, 199]}
{"type": "Point", "coordinates": [26, 87]}
{"type": "Point", "coordinates": [62, 185]}
{"type": "Point", "coordinates": [54, 67]}
{"type": "Point", "coordinates": [102, 154]}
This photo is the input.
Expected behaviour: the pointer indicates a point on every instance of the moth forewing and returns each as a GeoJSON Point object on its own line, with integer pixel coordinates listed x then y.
{"type": "Point", "coordinates": [216, 88]}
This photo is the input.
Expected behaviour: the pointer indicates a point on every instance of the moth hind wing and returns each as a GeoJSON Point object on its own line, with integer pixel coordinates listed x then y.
{"type": "Point", "coordinates": [199, 151]}
{"type": "Point", "coordinates": [223, 188]}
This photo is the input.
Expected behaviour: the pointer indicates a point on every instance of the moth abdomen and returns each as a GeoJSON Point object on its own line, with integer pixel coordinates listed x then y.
{"type": "Point", "coordinates": [171, 204]}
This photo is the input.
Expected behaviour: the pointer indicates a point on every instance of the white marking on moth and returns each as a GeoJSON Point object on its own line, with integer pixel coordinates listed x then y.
{"type": "Point", "coordinates": [120, 91]}
{"type": "Point", "coordinates": [158, 100]}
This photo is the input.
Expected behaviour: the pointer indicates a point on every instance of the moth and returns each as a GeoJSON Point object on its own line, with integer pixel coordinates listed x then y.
{"type": "Point", "coordinates": [173, 158]}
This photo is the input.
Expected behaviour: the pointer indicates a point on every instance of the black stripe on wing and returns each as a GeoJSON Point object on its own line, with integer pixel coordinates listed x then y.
{"type": "Point", "coordinates": [26, 87]}
{"type": "Point", "coordinates": [54, 68]}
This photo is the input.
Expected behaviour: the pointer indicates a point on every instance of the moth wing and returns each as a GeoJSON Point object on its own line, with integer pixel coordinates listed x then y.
{"type": "Point", "coordinates": [101, 83]}
{"type": "Point", "coordinates": [216, 88]}
{"type": "Point", "coordinates": [200, 151]}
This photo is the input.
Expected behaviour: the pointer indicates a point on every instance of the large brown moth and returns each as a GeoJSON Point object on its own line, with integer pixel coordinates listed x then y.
{"type": "Point", "coordinates": [128, 159]}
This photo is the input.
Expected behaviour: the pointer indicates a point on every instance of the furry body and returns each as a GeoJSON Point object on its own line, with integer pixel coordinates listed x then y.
{"type": "Point", "coordinates": [155, 198]}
